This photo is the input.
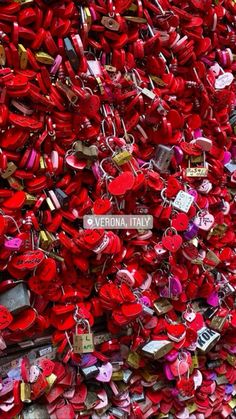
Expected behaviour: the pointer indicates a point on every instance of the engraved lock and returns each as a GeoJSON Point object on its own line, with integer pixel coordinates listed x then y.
{"type": "Point", "coordinates": [11, 168]}
{"type": "Point", "coordinates": [83, 151]}
{"type": "Point", "coordinates": [198, 171]}
{"type": "Point", "coordinates": [217, 323]}
{"type": "Point", "coordinates": [207, 338]}
{"type": "Point", "coordinates": [25, 392]}
{"type": "Point", "coordinates": [15, 299]}
{"type": "Point", "coordinates": [156, 349]}
{"type": "Point", "coordinates": [162, 306]}
{"type": "Point", "coordinates": [183, 201]}
{"type": "Point", "coordinates": [82, 343]}
{"type": "Point", "coordinates": [163, 157]}
{"type": "Point", "coordinates": [90, 372]}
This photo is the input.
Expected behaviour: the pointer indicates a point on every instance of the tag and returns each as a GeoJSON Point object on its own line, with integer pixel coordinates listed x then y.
{"type": "Point", "coordinates": [83, 343]}
{"type": "Point", "coordinates": [196, 171]}
{"type": "Point", "coordinates": [183, 201]}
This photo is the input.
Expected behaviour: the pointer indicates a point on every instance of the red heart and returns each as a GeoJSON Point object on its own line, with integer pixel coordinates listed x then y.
{"type": "Point", "coordinates": [102, 206]}
{"type": "Point", "coordinates": [175, 330]}
{"type": "Point", "coordinates": [47, 366]}
{"type": "Point", "coordinates": [16, 201]}
{"type": "Point", "coordinates": [5, 317]}
{"type": "Point", "coordinates": [47, 270]}
{"type": "Point", "coordinates": [121, 184]}
{"type": "Point", "coordinates": [180, 222]}
{"type": "Point", "coordinates": [172, 243]}
{"type": "Point", "coordinates": [132, 310]}
{"type": "Point", "coordinates": [173, 187]}
{"type": "Point", "coordinates": [28, 260]}
{"type": "Point", "coordinates": [23, 320]}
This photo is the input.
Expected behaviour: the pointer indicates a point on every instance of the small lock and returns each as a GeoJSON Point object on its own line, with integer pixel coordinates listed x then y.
{"type": "Point", "coordinates": [35, 411]}
{"type": "Point", "coordinates": [133, 360]}
{"type": "Point", "coordinates": [162, 306]}
{"type": "Point", "coordinates": [183, 201]}
{"type": "Point", "coordinates": [11, 168]}
{"type": "Point", "coordinates": [121, 157]}
{"type": "Point", "coordinates": [163, 158]}
{"type": "Point", "coordinates": [86, 152]}
{"type": "Point", "coordinates": [43, 240]}
{"type": "Point", "coordinates": [61, 196]}
{"type": "Point", "coordinates": [90, 372]}
{"type": "Point", "coordinates": [217, 323]}
{"type": "Point", "coordinates": [2, 55]}
{"type": "Point", "coordinates": [110, 23]}
{"type": "Point", "coordinates": [91, 400]}
{"type": "Point", "coordinates": [44, 58]}
{"type": "Point", "coordinates": [231, 359]}
{"type": "Point", "coordinates": [23, 56]}
{"type": "Point", "coordinates": [156, 349]}
{"type": "Point", "coordinates": [82, 343]}
{"type": "Point", "coordinates": [199, 171]}
{"type": "Point", "coordinates": [25, 392]}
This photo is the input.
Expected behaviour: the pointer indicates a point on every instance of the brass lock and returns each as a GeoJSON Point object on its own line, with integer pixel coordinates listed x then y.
{"type": "Point", "coordinates": [122, 157]}
{"type": "Point", "coordinates": [156, 349]}
{"type": "Point", "coordinates": [11, 168]}
{"type": "Point", "coordinates": [85, 152]}
{"type": "Point", "coordinates": [25, 392]}
{"type": "Point", "coordinates": [198, 171]}
{"type": "Point", "coordinates": [162, 306]}
{"type": "Point", "coordinates": [82, 343]}
{"type": "Point", "coordinates": [163, 158]}
{"type": "Point", "coordinates": [217, 323]}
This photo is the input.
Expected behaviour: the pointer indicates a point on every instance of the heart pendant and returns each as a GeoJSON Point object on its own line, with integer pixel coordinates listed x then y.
{"type": "Point", "coordinates": [172, 243]}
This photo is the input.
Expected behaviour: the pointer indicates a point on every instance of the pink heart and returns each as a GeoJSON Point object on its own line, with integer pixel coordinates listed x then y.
{"type": "Point", "coordinates": [213, 299]}
{"type": "Point", "coordinates": [105, 373]}
{"type": "Point", "coordinates": [204, 221]}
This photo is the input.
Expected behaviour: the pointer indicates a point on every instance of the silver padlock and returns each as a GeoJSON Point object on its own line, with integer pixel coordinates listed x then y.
{"type": "Point", "coordinates": [35, 411]}
{"type": "Point", "coordinates": [16, 298]}
{"type": "Point", "coordinates": [163, 158]}
{"type": "Point", "coordinates": [183, 201]}
{"type": "Point", "coordinates": [207, 338]}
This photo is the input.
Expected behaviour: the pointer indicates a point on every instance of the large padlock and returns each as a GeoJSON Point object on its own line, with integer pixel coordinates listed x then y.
{"type": "Point", "coordinates": [15, 299]}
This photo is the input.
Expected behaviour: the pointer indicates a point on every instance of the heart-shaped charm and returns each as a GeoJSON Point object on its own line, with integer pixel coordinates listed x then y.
{"type": "Point", "coordinates": [123, 275]}
{"type": "Point", "coordinates": [75, 163]}
{"type": "Point", "coordinates": [105, 373]}
{"type": "Point", "coordinates": [175, 286]}
{"type": "Point", "coordinates": [198, 322]}
{"type": "Point", "coordinates": [132, 310]}
{"type": "Point", "coordinates": [46, 365]}
{"type": "Point", "coordinates": [28, 260]}
{"type": "Point", "coordinates": [121, 184]}
{"type": "Point", "coordinates": [102, 206]}
{"type": "Point", "coordinates": [34, 373]}
{"type": "Point", "coordinates": [186, 386]}
{"type": "Point", "coordinates": [5, 317]}
{"type": "Point", "coordinates": [180, 222]}
{"type": "Point", "coordinates": [204, 220]}
{"type": "Point", "coordinates": [189, 316]}
{"type": "Point", "coordinates": [13, 244]}
{"type": "Point", "coordinates": [47, 270]}
{"type": "Point", "coordinates": [172, 243]}
{"type": "Point", "coordinates": [173, 187]}
{"type": "Point", "coordinates": [213, 299]}
{"type": "Point", "coordinates": [176, 332]}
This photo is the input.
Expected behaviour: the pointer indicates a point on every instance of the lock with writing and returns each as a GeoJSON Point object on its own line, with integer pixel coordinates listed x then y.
{"type": "Point", "coordinates": [197, 171]}
{"type": "Point", "coordinates": [82, 342]}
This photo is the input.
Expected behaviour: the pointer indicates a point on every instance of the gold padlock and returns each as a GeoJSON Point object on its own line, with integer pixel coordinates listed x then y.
{"type": "Point", "coordinates": [11, 168]}
{"type": "Point", "coordinates": [82, 343]}
{"type": "Point", "coordinates": [162, 306]}
{"type": "Point", "coordinates": [25, 392]}
{"type": "Point", "coordinates": [2, 55]}
{"type": "Point", "coordinates": [43, 240]}
{"type": "Point", "coordinates": [23, 56]}
{"type": "Point", "coordinates": [217, 323]}
{"type": "Point", "coordinates": [133, 360]}
{"type": "Point", "coordinates": [231, 360]}
{"type": "Point", "coordinates": [198, 171]}
{"type": "Point", "coordinates": [122, 157]}
{"type": "Point", "coordinates": [44, 58]}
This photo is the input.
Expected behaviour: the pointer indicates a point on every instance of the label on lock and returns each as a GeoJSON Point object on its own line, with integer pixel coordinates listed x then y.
{"type": "Point", "coordinates": [183, 201]}
{"type": "Point", "coordinates": [207, 338]}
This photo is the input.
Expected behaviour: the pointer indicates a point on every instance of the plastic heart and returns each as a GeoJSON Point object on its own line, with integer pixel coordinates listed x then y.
{"type": "Point", "coordinates": [105, 373]}
{"type": "Point", "coordinates": [121, 184]}
{"type": "Point", "coordinates": [172, 243]}
{"type": "Point", "coordinates": [180, 222]}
